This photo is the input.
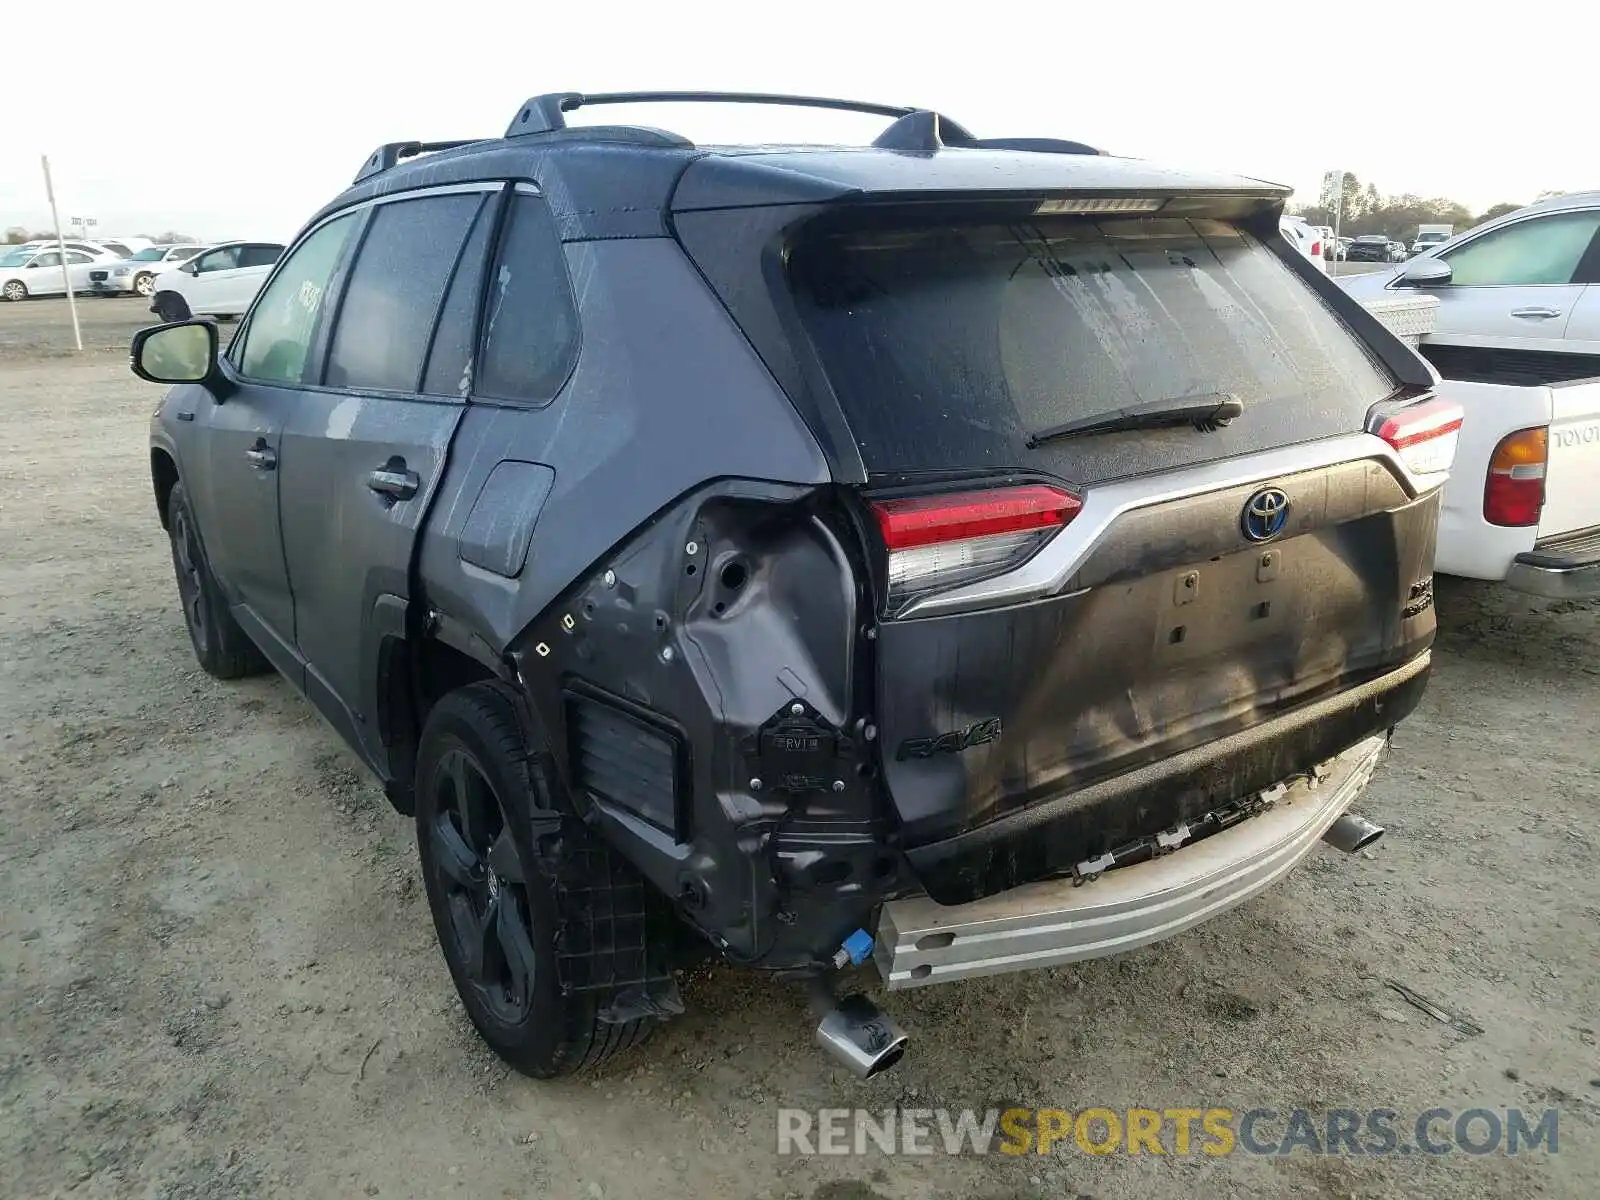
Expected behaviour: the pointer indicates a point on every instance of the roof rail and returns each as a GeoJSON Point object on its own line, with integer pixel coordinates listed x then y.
{"type": "Point", "coordinates": [546, 113]}
{"type": "Point", "coordinates": [914, 131]}
{"type": "Point", "coordinates": [390, 153]}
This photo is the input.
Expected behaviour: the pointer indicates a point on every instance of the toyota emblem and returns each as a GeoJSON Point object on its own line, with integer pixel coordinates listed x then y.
{"type": "Point", "coordinates": [1265, 514]}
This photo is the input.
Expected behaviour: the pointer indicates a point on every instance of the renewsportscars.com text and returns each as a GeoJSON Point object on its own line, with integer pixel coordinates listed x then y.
{"type": "Point", "coordinates": [1175, 1131]}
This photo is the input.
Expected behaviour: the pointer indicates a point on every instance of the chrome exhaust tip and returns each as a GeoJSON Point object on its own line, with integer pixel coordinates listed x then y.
{"type": "Point", "coordinates": [857, 1033]}
{"type": "Point", "coordinates": [1352, 832]}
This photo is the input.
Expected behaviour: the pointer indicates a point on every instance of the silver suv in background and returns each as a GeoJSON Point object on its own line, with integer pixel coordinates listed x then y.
{"type": "Point", "coordinates": [136, 275]}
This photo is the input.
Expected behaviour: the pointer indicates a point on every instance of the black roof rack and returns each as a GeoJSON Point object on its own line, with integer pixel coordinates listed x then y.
{"type": "Point", "coordinates": [390, 153]}
{"type": "Point", "coordinates": [915, 130]}
{"type": "Point", "coordinates": [545, 114]}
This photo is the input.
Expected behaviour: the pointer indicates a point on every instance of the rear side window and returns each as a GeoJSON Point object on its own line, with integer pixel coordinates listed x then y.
{"type": "Point", "coordinates": [530, 320]}
{"type": "Point", "coordinates": [394, 291]}
{"type": "Point", "coordinates": [948, 345]}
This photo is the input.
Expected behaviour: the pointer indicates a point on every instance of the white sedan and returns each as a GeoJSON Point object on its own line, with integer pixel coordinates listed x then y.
{"type": "Point", "coordinates": [138, 274]}
{"type": "Point", "coordinates": [219, 283]}
{"type": "Point", "coordinates": [25, 273]}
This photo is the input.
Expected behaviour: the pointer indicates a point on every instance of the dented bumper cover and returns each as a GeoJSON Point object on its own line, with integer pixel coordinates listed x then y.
{"type": "Point", "coordinates": [1059, 921]}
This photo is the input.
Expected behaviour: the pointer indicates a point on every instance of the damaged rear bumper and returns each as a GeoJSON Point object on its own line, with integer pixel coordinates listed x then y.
{"type": "Point", "coordinates": [1050, 923]}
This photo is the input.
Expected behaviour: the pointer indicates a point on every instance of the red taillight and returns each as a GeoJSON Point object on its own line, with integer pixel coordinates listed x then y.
{"type": "Point", "coordinates": [1316, 249]}
{"type": "Point", "coordinates": [925, 520]}
{"type": "Point", "coordinates": [1424, 435]}
{"type": "Point", "coordinates": [954, 538]}
{"type": "Point", "coordinates": [1513, 493]}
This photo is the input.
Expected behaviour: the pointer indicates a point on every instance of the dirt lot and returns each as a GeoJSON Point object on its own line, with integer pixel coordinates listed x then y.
{"type": "Point", "coordinates": [218, 976]}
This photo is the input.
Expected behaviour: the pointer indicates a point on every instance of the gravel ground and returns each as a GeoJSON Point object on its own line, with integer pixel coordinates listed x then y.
{"type": "Point", "coordinates": [218, 976]}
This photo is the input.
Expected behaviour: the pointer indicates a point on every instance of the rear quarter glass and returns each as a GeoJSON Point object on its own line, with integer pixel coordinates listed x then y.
{"type": "Point", "coordinates": [947, 344]}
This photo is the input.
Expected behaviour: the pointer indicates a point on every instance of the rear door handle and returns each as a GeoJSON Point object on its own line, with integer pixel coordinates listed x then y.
{"type": "Point", "coordinates": [393, 480]}
{"type": "Point", "coordinates": [1536, 314]}
{"type": "Point", "coordinates": [261, 457]}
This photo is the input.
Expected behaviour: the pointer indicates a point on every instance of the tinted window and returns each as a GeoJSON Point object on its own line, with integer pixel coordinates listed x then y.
{"type": "Point", "coordinates": [50, 258]}
{"type": "Point", "coordinates": [530, 323]}
{"type": "Point", "coordinates": [1541, 250]}
{"type": "Point", "coordinates": [450, 361]}
{"type": "Point", "coordinates": [395, 290]}
{"type": "Point", "coordinates": [77, 256]}
{"type": "Point", "coordinates": [259, 255]}
{"type": "Point", "coordinates": [284, 319]}
{"type": "Point", "coordinates": [184, 253]}
{"type": "Point", "coordinates": [948, 345]}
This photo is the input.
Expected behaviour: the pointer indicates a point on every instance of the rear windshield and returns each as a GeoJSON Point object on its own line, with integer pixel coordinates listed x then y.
{"type": "Point", "coordinates": [947, 346]}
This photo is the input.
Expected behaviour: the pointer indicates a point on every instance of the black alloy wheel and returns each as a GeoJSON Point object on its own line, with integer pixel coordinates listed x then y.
{"type": "Point", "coordinates": [485, 887]}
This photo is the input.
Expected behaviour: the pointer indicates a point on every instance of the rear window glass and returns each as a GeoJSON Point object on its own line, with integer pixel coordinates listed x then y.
{"type": "Point", "coordinates": [947, 346]}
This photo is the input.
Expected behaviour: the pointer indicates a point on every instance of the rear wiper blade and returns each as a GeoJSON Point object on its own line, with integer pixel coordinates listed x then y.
{"type": "Point", "coordinates": [1205, 412]}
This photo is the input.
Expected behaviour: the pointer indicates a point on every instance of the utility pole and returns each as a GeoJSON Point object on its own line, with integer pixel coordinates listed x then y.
{"type": "Point", "coordinates": [1338, 215]}
{"type": "Point", "coordinates": [61, 245]}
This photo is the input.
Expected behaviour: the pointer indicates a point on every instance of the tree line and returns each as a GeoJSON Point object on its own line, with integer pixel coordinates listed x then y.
{"type": "Point", "coordinates": [1365, 210]}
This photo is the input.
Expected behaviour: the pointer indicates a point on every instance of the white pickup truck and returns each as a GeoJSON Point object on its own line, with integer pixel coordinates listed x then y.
{"type": "Point", "coordinates": [1516, 341]}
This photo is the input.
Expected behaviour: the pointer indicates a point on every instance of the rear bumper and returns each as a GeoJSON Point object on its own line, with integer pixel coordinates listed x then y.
{"type": "Point", "coordinates": [1046, 839]}
{"type": "Point", "coordinates": [1050, 923]}
{"type": "Point", "coordinates": [1563, 568]}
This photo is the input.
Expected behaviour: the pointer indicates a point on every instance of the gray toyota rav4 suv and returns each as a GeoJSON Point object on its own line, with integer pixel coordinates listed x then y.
{"type": "Point", "coordinates": [958, 555]}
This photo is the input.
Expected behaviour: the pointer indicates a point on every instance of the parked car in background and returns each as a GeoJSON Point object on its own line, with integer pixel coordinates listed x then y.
{"type": "Point", "coordinates": [1325, 236]}
{"type": "Point", "coordinates": [138, 273]}
{"type": "Point", "coordinates": [1397, 251]}
{"type": "Point", "coordinates": [25, 273]}
{"type": "Point", "coordinates": [125, 247]}
{"type": "Point", "coordinates": [219, 282]}
{"type": "Point", "coordinates": [1429, 236]}
{"type": "Point", "coordinates": [1369, 247]}
{"type": "Point", "coordinates": [1304, 238]}
{"type": "Point", "coordinates": [1516, 339]}
{"type": "Point", "coordinates": [678, 613]}
{"type": "Point", "coordinates": [98, 251]}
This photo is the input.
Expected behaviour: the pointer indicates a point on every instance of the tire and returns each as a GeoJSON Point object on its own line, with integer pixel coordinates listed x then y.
{"type": "Point", "coordinates": [144, 283]}
{"type": "Point", "coordinates": [474, 804]}
{"type": "Point", "coordinates": [170, 306]}
{"type": "Point", "coordinates": [223, 650]}
{"type": "Point", "coordinates": [15, 290]}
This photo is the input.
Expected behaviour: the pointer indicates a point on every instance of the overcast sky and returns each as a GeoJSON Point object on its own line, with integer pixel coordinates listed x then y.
{"type": "Point", "coordinates": [238, 120]}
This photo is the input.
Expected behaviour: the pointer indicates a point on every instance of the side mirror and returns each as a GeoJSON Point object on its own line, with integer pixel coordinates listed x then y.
{"type": "Point", "coordinates": [1423, 272]}
{"type": "Point", "coordinates": [183, 352]}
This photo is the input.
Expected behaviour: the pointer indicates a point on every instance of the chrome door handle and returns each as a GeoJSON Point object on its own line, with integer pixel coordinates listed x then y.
{"type": "Point", "coordinates": [396, 483]}
{"type": "Point", "coordinates": [261, 458]}
{"type": "Point", "coordinates": [1537, 314]}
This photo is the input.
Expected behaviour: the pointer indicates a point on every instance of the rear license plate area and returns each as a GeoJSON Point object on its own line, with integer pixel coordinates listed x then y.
{"type": "Point", "coordinates": [1220, 607]}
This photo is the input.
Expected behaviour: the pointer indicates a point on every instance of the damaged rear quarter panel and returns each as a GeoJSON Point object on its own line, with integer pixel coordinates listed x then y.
{"type": "Point", "coordinates": [664, 397]}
